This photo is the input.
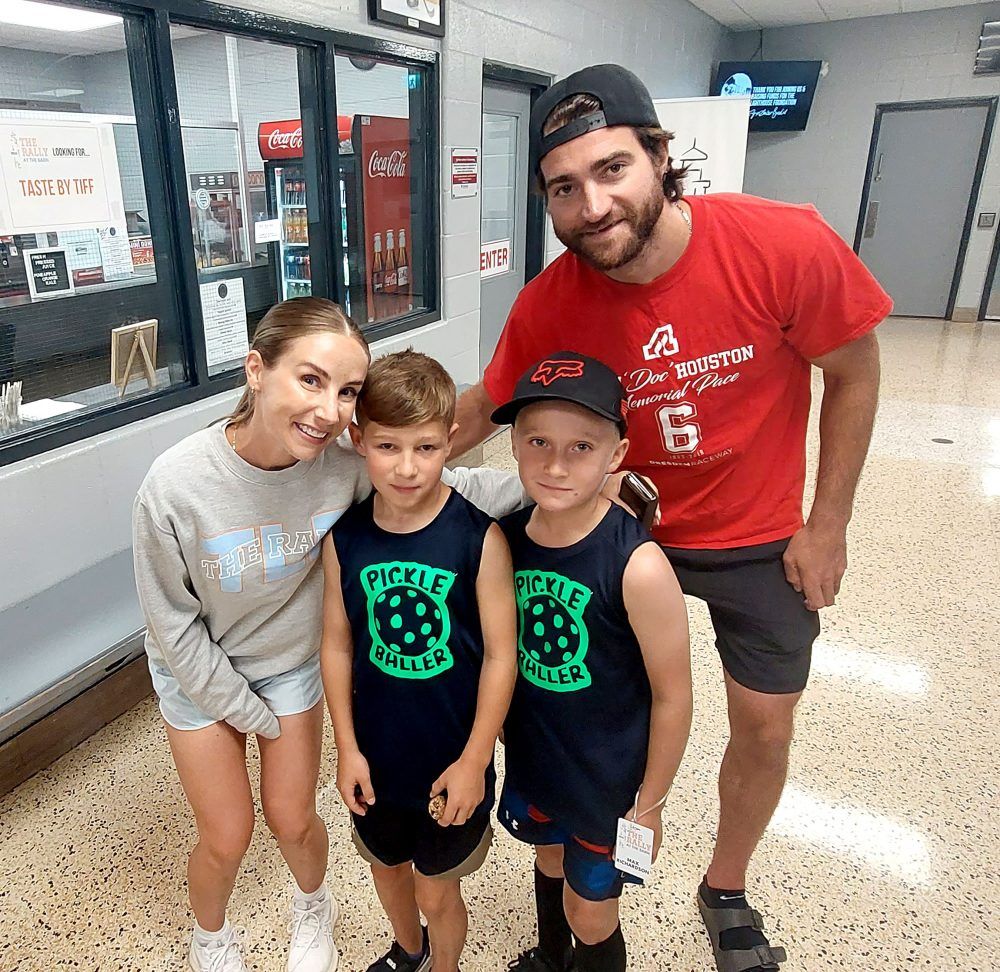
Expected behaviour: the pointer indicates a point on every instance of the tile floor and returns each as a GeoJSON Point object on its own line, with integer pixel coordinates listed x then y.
{"type": "Point", "coordinates": [879, 856]}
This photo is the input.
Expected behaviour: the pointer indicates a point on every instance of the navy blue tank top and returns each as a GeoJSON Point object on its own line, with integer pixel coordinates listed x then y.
{"type": "Point", "coordinates": [578, 728]}
{"type": "Point", "coordinates": [418, 644]}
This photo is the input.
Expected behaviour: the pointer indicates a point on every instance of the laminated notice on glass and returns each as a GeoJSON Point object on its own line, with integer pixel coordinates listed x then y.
{"type": "Point", "coordinates": [224, 311]}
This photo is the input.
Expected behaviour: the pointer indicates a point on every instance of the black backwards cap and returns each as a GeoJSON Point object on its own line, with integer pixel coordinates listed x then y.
{"type": "Point", "coordinates": [623, 97]}
{"type": "Point", "coordinates": [568, 377]}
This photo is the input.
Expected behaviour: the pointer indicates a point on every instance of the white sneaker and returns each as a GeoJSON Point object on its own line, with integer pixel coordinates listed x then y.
{"type": "Point", "coordinates": [223, 956]}
{"type": "Point", "coordinates": [311, 948]}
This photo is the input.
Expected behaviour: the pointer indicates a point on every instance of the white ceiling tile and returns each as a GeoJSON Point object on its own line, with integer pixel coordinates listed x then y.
{"type": "Point", "coordinates": [742, 14]}
{"type": "Point", "coordinates": [910, 6]}
{"type": "Point", "coordinates": [723, 11]}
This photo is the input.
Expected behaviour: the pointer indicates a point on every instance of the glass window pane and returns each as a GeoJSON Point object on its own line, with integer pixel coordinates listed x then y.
{"type": "Point", "coordinates": [77, 260]}
{"type": "Point", "coordinates": [384, 186]}
{"type": "Point", "coordinates": [244, 154]}
{"type": "Point", "coordinates": [499, 173]}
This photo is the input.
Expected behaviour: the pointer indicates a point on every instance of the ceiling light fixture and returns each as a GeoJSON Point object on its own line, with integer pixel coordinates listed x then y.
{"type": "Point", "coordinates": [45, 16]}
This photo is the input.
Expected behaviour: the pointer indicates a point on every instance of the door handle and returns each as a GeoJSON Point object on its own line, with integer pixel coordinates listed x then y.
{"type": "Point", "coordinates": [878, 167]}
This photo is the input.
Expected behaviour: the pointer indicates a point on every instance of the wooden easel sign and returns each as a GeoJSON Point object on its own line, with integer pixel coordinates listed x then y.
{"type": "Point", "coordinates": [133, 348]}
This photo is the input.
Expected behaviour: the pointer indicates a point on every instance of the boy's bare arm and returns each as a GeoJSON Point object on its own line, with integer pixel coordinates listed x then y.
{"type": "Point", "coordinates": [464, 779]}
{"type": "Point", "coordinates": [658, 616]}
{"type": "Point", "coordinates": [336, 664]}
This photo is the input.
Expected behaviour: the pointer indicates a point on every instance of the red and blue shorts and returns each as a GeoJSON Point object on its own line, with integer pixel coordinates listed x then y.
{"type": "Point", "coordinates": [589, 868]}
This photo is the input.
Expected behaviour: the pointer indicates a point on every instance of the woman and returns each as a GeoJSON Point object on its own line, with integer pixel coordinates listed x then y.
{"type": "Point", "coordinates": [227, 529]}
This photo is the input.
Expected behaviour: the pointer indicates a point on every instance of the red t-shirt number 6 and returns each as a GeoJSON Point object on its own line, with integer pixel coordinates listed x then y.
{"type": "Point", "coordinates": [678, 432]}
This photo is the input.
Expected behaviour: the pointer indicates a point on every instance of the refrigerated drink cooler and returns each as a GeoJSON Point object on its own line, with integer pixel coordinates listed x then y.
{"type": "Point", "coordinates": [286, 202]}
{"type": "Point", "coordinates": [375, 206]}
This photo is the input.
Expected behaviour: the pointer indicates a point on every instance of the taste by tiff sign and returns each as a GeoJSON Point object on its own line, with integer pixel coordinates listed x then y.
{"type": "Point", "coordinates": [58, 177]}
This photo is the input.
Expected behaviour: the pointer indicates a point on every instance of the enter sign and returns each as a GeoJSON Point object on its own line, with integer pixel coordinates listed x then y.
{"type": "Point", "coordinates": [494, 258]}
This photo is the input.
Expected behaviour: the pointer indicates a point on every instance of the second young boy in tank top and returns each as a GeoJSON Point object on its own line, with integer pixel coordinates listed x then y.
{"type": "Point", "coordinates": [602, 706]}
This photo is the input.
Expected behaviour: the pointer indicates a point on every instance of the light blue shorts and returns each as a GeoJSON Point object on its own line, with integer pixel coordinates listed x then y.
{"type": "Point", "coordinates": [286, 694]}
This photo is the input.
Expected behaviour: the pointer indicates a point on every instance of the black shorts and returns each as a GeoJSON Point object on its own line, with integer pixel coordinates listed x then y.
{"type": "Point", "coordinates": [392, 834]}
{"type": "Point", "coordinates": [763, 630]}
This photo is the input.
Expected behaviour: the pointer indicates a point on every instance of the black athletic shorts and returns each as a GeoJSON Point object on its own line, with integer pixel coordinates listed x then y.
{"type": "Point", "coordinates": [763, 630]}
{"type": "Point", "coordinates": [391, 835]}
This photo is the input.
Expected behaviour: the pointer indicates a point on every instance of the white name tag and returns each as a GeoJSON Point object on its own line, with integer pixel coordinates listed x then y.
{"type": "Point", "coordinates": [634, 849]}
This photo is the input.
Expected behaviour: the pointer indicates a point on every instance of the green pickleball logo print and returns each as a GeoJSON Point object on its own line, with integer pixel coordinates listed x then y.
{"type": "Point", "coordinates": [408, 618]}
{"type": "Point", "coordinates": [552, 638]}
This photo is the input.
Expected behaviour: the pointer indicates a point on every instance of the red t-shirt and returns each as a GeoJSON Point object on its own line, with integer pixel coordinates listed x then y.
{"type": "Point", "coordinates": [714, 356]}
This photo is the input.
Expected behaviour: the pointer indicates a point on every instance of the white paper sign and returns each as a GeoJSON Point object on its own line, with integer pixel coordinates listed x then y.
{"type": "Point", "coordinates": [62, 176]}
{"type": "Point", "coordinates": [47, 408]}
{"type": "Point", "coordinates": [494, 258]}
{"type": "Point", "coordinates": [224, 311]}
{"type": "Point", "coordinates": [267, 231]}
{"type": "Point", "coordinates": [116, 254]}
{"type": "Point", "coordinates": [464, 172]}
{"type": "Point", "coordinates": [710, 137]}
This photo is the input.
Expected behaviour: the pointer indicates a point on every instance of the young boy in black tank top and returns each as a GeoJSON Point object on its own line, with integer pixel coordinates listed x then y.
{"type": "Point", "coordinates": [418, 662]}
{"type": "Point", "coordinates": [602, 706]}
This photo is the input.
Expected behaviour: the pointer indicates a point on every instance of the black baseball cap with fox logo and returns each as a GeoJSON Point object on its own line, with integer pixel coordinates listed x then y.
{"type": "Point", "coordinates": [568, 377]}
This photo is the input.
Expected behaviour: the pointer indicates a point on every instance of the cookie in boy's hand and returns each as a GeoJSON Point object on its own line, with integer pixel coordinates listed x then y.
{"type": "Point", "coordinates": [436, 807]}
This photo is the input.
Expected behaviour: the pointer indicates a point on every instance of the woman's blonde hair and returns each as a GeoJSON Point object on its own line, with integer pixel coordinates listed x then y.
{"type": "Point", "coordinates": [287, 322]}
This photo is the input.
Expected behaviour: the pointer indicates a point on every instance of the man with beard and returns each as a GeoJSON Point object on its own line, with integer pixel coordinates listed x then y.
{"type": "Point", "coordinates": [712, 310]}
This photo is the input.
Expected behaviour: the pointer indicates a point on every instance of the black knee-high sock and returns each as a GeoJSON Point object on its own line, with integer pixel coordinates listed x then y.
{"type": "Point", "coordinates": [606, 956]}
{"type": "Point", "coordinates": [554, 937]}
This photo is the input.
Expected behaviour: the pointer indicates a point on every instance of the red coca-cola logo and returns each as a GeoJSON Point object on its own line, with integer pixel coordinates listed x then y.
{"type": "Point", "coordinates": [280, 140]}
{"type": "Point", "coordinates": [391, 166]}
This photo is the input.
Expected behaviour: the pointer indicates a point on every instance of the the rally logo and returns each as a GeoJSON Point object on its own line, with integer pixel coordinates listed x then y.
{"type": "Point", "coordinates": [408, 618]}
{"type": "Point", "coordinates": [552, 638]}
{"type": "Point", "coordinates": [548, 371]}
{"type": "Point", "coordinates": [662, 343]}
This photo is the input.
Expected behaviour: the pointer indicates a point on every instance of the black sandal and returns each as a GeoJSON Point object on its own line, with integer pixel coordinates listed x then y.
{"type": "Point", "coordinates": [718, 920]}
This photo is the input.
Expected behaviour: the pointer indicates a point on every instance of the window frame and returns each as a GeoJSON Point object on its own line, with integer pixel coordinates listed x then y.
{"type": "Point", "coordinates": [154, 90]}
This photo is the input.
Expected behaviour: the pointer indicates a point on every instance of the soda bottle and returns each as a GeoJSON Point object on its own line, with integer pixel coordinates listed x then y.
{"type": "Point", "coordinates": [403, 275]}
{"type": "Point", "coordinates": [378, 279]}
{"type": "Point", "coordinates": [305, 226]}
{"type": "Point", "coordinates": [390, 283]}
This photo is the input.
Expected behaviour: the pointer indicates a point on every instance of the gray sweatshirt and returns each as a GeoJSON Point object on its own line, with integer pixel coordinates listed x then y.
{"type": "Point", "coordinates": [227, 563]}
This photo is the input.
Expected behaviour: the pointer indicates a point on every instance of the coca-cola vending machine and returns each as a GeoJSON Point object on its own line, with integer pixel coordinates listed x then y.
{"type": "Point", "coordinates": [382, 151]}
{"type": "Point", "coordinates": [280, 144]}
{"type": "Point", "coordinates": [375, 206]}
